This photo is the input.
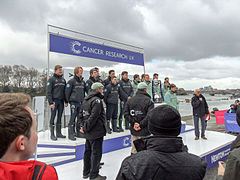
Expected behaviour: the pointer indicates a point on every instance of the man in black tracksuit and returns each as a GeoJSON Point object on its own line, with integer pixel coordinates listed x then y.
{"type": "Point", "coordinates": [92, 121]}
{"type": "Point", "coordinates": [75, 93]}
{"type": "Point", "coordinates": [111, 94]}
{"type": "Point", "coordinates": [200, 108]}
{"type": "Point", "coordinates": [92, 79]}
{"type": "Point", "coordinates": [108, 80]}
{"type": "Point", "coordinates": [162, 156]}
{"type": "Point", "coordinates": [56, 97]}
{"type": "Point", "coordinates": [136, 113]}
{"type": "Point", "coordinates": [126, 92]}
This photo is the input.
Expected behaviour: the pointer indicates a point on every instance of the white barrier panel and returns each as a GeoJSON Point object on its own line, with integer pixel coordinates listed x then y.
{"type": "Point", "coordinates": [38, 109]}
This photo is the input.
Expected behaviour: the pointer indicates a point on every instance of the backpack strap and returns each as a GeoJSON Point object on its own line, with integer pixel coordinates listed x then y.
{"type": "Point", "coordinates": [39, 169]}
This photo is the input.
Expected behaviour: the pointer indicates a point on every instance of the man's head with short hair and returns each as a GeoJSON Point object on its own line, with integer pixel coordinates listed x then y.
{"type": "Point", "coordinates": [58, 69]}
{"type": "Point", "coordinates": [143, 77]}
{"type": "Point", "coordinates": [146, 78]}
{"type": "Point", "coordinates": [166, 79]}
{"type": "Point", "coordinates": [78, 71]}
{"type": "Point", "coordinates": [125, 75]}
{"type": "Point", "coordinates": [17, 128]}
{"type": "Point", "coordinates": [93, 73]}
{"type": "Point", "coordinates": [114, 80]}
{"type": "Point", "coordinates": [173, 87]}
{"type": "Point", "coordinates": [97, 70]}
{"type": "Point", "coordinates": [111, 73]}
{"type": "Point", "coordinates": [155, 76]}
{"type": "Point", "coordinates": [236, 102]}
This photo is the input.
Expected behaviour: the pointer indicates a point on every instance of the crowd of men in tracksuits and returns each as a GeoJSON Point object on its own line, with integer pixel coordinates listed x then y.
{"type": "Point", "coordinates": [86, 103]}
{"type": "Point", "coordinates": [60, 92]}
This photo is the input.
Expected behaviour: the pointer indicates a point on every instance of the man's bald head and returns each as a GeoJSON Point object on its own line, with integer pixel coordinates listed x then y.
{"type": "Point", "coordinates": [197, 92]}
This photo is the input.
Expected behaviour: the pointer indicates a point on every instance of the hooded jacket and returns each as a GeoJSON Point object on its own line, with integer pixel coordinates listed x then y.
{"type": "Point", "coordinates": [92, 116]}
{"type": "Point", "coordinates": [136, 112]}
{"type": "Point", "coordinates": [162, 158]}
{"type": "Point", "coordinates": [55, 88]}
{"type": "Point", "coordinates": [27, 170]}
{"type": "Point", "coordinates": [75, 89]}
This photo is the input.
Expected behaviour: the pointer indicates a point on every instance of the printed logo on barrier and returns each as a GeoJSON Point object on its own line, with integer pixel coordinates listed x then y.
{"type": "Point", "coordinates": [74, 45]}
{"type": "Point", "coordinates": [219, 156]}
{"type": "Point", "coordinates": [126, 142]}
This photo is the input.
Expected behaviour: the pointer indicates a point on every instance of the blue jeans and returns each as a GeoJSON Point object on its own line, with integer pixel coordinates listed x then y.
{"type": "Point", "coordinates": [75, 108]}
{"type": "Point", "coordinates": [196, 125]}
{"type": "Point", "coordinates": [59, 106]}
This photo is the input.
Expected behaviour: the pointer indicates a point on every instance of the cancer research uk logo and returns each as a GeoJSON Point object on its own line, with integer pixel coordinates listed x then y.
{"type": "Point", "coordinates": [74, 48]}
{"type": "Point", "coordinates": [126, 142]}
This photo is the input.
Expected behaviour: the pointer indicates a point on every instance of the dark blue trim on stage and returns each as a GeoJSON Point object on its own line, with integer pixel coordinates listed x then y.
{"type": "Point", "coordinates": [64, 162]}
{"type": "Point", "coordinates": [56, 146]}
{"type": "Point", "coordinates": [56, 155]}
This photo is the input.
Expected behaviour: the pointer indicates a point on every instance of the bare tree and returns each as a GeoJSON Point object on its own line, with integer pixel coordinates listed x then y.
{"type": "Point", "coordinates": [19, 75]}
{"type": "Point", "coordinates": [32, 78]}
{"type": "Point", "coordinates": [5, 74]}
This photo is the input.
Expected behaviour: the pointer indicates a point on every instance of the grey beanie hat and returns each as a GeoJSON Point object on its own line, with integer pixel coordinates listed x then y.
{"type": "Point", "coordinates": [96, 85]}
{"type": "Point", "coordinates": [142, 85]}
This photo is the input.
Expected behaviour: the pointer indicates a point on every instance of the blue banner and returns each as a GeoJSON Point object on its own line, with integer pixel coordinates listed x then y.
{"type": "Point", "coordinates": [231, 123]}
{"type": "Point", "coordinates": [60, 44]}
{"type": "Point", "coordinates": [217, 155]}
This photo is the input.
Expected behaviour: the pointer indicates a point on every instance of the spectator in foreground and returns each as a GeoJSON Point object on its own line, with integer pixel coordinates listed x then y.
{"type": "Point", "coordinates": [162, 156]}
{"type": "Point", "coordinates": [19, 140]}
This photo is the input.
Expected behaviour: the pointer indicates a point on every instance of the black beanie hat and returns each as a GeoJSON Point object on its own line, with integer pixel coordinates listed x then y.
{"type": "Point", "coordinates": [164, 120]}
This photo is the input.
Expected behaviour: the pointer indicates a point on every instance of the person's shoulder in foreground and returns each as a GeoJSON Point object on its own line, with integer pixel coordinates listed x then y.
{"type": "Point", "coordinates": [163, 155]}
{"type": "Point", "coordinates": [19, 140]}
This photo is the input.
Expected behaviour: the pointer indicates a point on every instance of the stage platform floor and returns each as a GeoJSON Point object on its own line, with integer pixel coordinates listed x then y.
{"type": "Point", "coordinates": [212, 150]}
{"type": "Point", "coordinates": [113, 159]}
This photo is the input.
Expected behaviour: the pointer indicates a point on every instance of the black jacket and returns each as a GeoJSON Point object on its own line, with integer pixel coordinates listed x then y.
{"type": "Point", "coordinates": [200, 108]}
{"type": "Point", "coordinates": [136, 111]}
{"type": "Point", "coordinates": [75, 90]}
{"type": "Point", "coordinates": [89, 83]}
{"type": "Point", "coordinates": [162, 158]}
{"type": "Point", "coordinates": [111, 93]}
{"type": "Point", "coordinates": [55, 88]}
{"type": "Point", "coordinates": [92, 116]}
{"type": "Point", "coordinates": [107, 81]}
{"type": "Point", "coordinates": [126, 89]}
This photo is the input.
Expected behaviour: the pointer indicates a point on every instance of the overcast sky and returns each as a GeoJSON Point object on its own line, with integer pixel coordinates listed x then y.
{"type": "Point", "coordinates": [195, 43]}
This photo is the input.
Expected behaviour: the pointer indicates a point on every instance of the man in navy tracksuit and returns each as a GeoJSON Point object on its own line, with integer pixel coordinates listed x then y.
{"type": "Point", "coordinates": [75, 93]}
{"type": "Point", "coordinates": [108, 80]}
{"type": "Point", "coordinates": [56, 97]}
{"type": "Point", "coordinates": [111, 94]}
{"type": "Point", "coordinates": [126, 92]}
{"type": "Point", "coordinates": [94, 77]}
